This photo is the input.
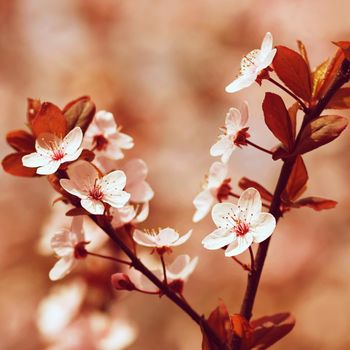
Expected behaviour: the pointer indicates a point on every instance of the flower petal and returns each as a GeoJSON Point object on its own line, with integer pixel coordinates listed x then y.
{"type": "Point", "coordinates": [117, 199]}
{"type": "Point", "coordinates": [223, 147]}
{"type": "Point", "coordinates": [267, 60]}
{"type": "Point", "coordinates": [181, 267]}
{"type": "Point", "coordinates": [241, 82]}
{"type": "Point", "coordinates": [77, 227]}
{"type": "Point", "coordinates": [218, 239]}
{"type": "Point", "coordinates": [249, 205]}
{"type": "Point", "coordinates": [140, 192]}
{"type": "Point", "coordinates": [72, 141]}
{"type": "Point", "coordinates": [244, 114]}
{"type": "Point", "coordinates": [182, 239]}
{"type": "Point", "coordinates": [224, 215]}
{"type": "Point", "coordinates": [217, 174]}
{"type": "Point", "coordinates": [69, 186]}
{"type": "Point", "coordinates": [49, 168]}
{"type": "Point", "coordinates": [143, 214]}
{"type": "Point", "coordinates": [34, 160]}
{"type": "Point", "coordinates": [239, 245]}
{"type": "Point", "coordinates": [136, 170]}
{"type": "Point", "coordinates": [263, 227]}
{"type": "Point", "coordinates": [233, 121]}
{"type": "Point", "coordinates": [63, 243]}
{"type": "Point", "coordinates": [45, 142]}
{"type": "Point", "coordinates": [62, 268]}
{"type": "Point", "coordinates": [166, 237]}
{"type": "Point", "coordinates": [203, 202]}
{"type": "Point", "coordinates": [93, 206]}
{"type": "Point", "coordinates": [144, 238]}
{"type": "Point", "coordinates": [266, 45]}
{"type": "Point", "coordinates": [83, 174]}
{"type": "Point", "coordinates": [113, 182]}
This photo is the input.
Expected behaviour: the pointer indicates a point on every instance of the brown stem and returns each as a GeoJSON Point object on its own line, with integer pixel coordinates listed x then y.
{"type": "Point", "coordinates": [164, 268]}
{"type": "Point", "coordinates": [258, 147]}
{"type": "Point", "coordinates": [252, 263]}
{"type": "Point", "coordinates": [254, 277]}
{"type": "Point", "coordinates": [120, 261]}
{"type": "Point", "coordinates": [243, 265]}
{"type": "Point", "coordinates": [106, 226]}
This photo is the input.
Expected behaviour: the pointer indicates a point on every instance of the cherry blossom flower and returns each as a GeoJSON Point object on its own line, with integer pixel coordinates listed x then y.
{"type": "Point", "coordinates": [166, 237]}
{"type": "Point", "coordinates": [235, 133]}
{"type": "Point", "coordinates": [240, 225]}
{"type": "Point", "coordinates": [64, 244]}
{"type": "Point", "coordinates": [181, 268]}
{"type": "Point", "coordinates": [85, 183]}
{"type": "Point", "coordinates": [252, 64]}
{"type": "Point", "coordinates": [216, 188]}
{"type": "Point", "coordinates": [105, 137]}
{"type": "Point", "coordinates": [52, 151]}
{"type": "Point", "coordinates": [130, 214]}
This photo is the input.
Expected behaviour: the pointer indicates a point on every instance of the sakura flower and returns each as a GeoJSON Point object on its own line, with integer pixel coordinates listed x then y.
{"type": "Point", "coordinates": [64, 244]}
{"type": "Point", "coordinates": [216, 188]}
{"type": "Point", "coordinates": [240, 225]}
{"type": "Point", "coordinates": [52, 151]}
{"type": "Point", "coordinates": [166, 237]}
{"type": "Point", "coordinates": [181, 268]}
{"type": "Point", "coordinates": [235, 133]}
{"type": "Point", "coordinates": [85, 183]}
{"type": "Point", "coordinates": [252, 64]}
{"type": "Point", "coordinates": [130, 214]}
{"type": "Point", "coordinates": [104, 136]}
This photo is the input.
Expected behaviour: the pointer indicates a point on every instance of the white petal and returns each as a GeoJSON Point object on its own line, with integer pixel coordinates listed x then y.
{"type": "Point", "coordinates": [136, 170]}
{"type": "Point", "coordinates": [62, 268]}
{"type": "Point", "coordinates": [72, 156]}
{"type": "Point", "coordinates": [83, 174]}
{"type": "Point", "coordinates": [35, 160]}
{"type": "Point", "coordinates": [266, 45]}
{"type": "Point", "coordinates": [224, 215]}
{"type": "Point", "coordinates": [250, 205]}
{"type": "Point", "coordinates": [63, 243]}
{"type": "Point", "coordinates": [233, 121]}
{"type": "Point", "coordinates": [223, 146]}
{"type": "Point", "coordinates": [45, 142]}
{"type": "Point", "coordinates": [244, 114]}
{"type": "Point", "coordinates": [117, 199]}
{"type": "Point", "coordinates": [123, 215]}
{"type": "Point", "coordinates": [217, 174]}
{"type": "Point", "coordinates": [140, 192]}
{"type": "Point", "coordinates": [267, 60]}
{"type": "Point", "coordinates": [49, 168]}
{"type": "Point", "coordinates": [72, 141]}
{"type": "Point", "coordinates": [143, 214]}
{"type": "Point", "coordinates": [263, 227]}
{"type": "Point", "coordinates": [239, 245]}
{"type": "Point", "coordinates": [77, 227]}
{"type": "Point", "coordinates": [183, 239]}
{"type": "Point", "coordinates": [93, 206]}
{"type": "Point", "coordinates": [241, 82]}
{"type": "Point", "coordinates": [181, 267]}
{"type": "Point", "coordinates": [144, 239]}
{"type": "Point", "coordinates": [167, 236]}
{"type": "Point", "coordinates": [69, 186]}
{"type": "Point", "coordinates": [105, 122]}
{"type": "Point", "coordinates": [218, 239]}
{"type": "Point", "coordinates": [124, 141]}
{"type": "Point", "coordinates": [203, 202]}
{"type": "Point", "coordinates": [113, 182]}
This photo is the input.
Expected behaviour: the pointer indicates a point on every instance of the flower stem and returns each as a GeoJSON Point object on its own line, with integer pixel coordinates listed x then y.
{"type": "Point", "coordinates": [259, 147]}
{"type": "Point", "coordinates": [244, 266]}
{"type": "Point", "coordinates": [120, 261]}
{"type": "Point", "coordinates": [164, 268]}
{"type": "Point", "coordinates": [302, 104]}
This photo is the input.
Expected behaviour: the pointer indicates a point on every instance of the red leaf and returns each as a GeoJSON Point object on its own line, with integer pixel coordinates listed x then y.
{"type": "Point", "coordinates": [12, 164]}
{"type": "Point", "coordinates": [270, 329]}
{"type": "Point", "coordinates": [241, 327]}
{"type": "Point", "coordinates": [49, 119]}
{"type": "Point", "coordinates": [320, 131]}
{"type": "Point", "coordinates": [277, 119]}
{"type": "Point", "coordinates": [33, 107]}
{"type": "Point", "coordinates": [245, 183]}
{"type": "Point", "coordinates": [340, 100]}
{"type": "Point", "coordinates": [21, 141]}
{"type": "Point", "coordinates": [79, 113]}
{"type": "Point", "coordinates": [76, 212]}
{"type": "Point", "coordinates": [345, 46]}
{"type": "Point", "coordinates": [298, 178]}
{"type": "Point", "coordinates": [316, 203]}
{"type": "Point", "coordinates": [279, 152]}
{"type": "Point", "coordinates": [303, 53]}
{"type": "Point", "coordinates": [292, 69]}
{"type": "Point", "coordinates": [293, 111]}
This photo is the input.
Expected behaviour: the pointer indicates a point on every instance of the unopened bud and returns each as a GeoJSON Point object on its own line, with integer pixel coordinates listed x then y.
{"type": "Point", "coordinates": [121, 281]}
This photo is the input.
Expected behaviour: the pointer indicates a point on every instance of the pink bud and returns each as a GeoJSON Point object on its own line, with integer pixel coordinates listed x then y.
{"type": "Point", "coordinates": [121, 281]}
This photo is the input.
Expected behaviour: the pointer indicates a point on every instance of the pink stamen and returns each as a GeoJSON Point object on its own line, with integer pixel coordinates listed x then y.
{"type": "Point", "coordinates": [96, 193]}
{"type": "Point", "coordinates": [57, 154]}
{"type": "Point", "coordinates": [241, 228]}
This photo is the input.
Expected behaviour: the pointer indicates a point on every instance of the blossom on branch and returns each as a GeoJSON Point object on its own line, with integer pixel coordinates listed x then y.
{"type": "Point", "coordinates": [216, 188]}
{"type": "Point", "coordinates": [240, 225]}
{"type": "Point", "coordinates": [105, 137]}
{"type": "Point", "coordinates": [234, 133]}
{"type": "Point", "coordinates": [66, 245]}
{"type": "Point", "coordinates": [252, 64]}
{"type": "Point", "coordinates": [52, 151]}
{"type": "Point", "coordinates": [84, 182]}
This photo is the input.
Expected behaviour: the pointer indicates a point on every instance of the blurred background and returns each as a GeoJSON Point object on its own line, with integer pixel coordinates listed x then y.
{"type": "Point", "coordinates": [161, 68]}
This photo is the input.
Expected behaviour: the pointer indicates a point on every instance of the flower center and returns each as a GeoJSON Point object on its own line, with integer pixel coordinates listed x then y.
{"type": "Point", "coordinates": [248, 63]}
{"type": "Point", "coordinates": [96, 193]}
{"type": "Point", "coordinates": [100, 142]}
{"type": "Point", "coordinates": [241, 228]}
{"type": "Point", "coordinates": [57, 154]}
{"type": "Point", "coordinates": [240, 138]}
{"type": "Point", "coordinates": [224, 190]}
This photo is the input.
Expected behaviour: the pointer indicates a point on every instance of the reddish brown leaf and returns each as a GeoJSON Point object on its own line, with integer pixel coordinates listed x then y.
{"type": "Point", "coordinates": [33, 107]}
{"type": "Point", "coordinates": [345, 46]}
{"type": "Point", "coordinates": [303, 54]}
{"type": "Point", "coordinates": [21, 141]}
{"type": "Point", "coordinates": [277, 119]}
{"type": "Point", "coordinates": [298, 178]}
{"type": "Point", "coordinates": [49, 119]}
{"type": "Point", "coordinates": [292, 69]}
{"type": "Point", "coordinates": [245, 183]}
{"type": "Point", "coordinates": [219, 320]}
{"type": "Point", "coordinates": [320, 132]}
{"type": "Point", "coordinates": [79, 113]}
{"type": "Point", "coordinates": [270, 329]}
{"type": "Point", "coordinates": [318, 77]}
{"type": "Point", "coordinates": [279, 152]}
{"type": "Point", "coordinates": [293, 111]}
{"type": "Point", "coordinates": [241, 327]}
{"type": "Point", "coordinates": [12, 164]}
{"type": "Point", "coordinates": [340, 100]}
{"type": "Point", "coordinates": [76, 212]}
{"type": "Point", "coordinates": [316, 203]}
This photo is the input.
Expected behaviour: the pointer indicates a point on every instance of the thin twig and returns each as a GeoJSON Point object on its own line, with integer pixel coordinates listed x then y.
{"type": "Point", "coordinates": [120, 261]}
{"type": "Point", "coordinates": [243, 265]}
{"type": "Point", "coordinates": [164, 268]}
{"type": "Point", "coordinates": [259, 147]}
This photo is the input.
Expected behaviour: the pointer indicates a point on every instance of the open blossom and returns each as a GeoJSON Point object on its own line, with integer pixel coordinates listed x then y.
{"type": "Point", "coordinates": [234, 133]}
{"type": "Point", "coordinates": [130, 214]}
{"type": "Point", "coordinates": [52, 151]}
{"type": "Point", "coordinates": [85, 183]}
{"type": "Point", "coordinates": [181, 268]}
{"type": "Point", "coordinates": [104, 136]}
{"type": "Point", "coordinates": [240, 225]}
{"type": "Point", "coordinates": [252, 64]}
{"type": "Point", "coordinates": [166, 237]}
{"type": "Point", "coordinates": [64, 244]}
{"type": "Point", "coordinates": [216, 188]}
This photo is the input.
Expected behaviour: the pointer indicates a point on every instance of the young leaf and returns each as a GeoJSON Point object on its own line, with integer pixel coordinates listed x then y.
{"type": "Point", "coordinates": [79, 113]}
{"type": "Point", "coordinates": [318, 77]}
{"type": "Point", "coordinates": [33, 107]}
{"type": "Point", "coordinates": [12, 164]}
{"type": "Point", "coordinates": [241, 327]}
{"type": "Point", "coordinates": [292, 69]}
{"type": "Point", "coordinates": [277, 119]}
{"type": "Point", "coordinates": [316, 203]}
{"type": "Point", "coordinates": [297, 180]}
{"type": "Point", "coordinates": [293, 111]}
{"type": "Point", "coordinates": [340, 100]}
{"type": "Point", "coordinates": [49, 119]}
{"type": "Point", "coordinates": [245, 183]}
{"type": "Point", "coordinates": [21, 141]}
{"type": "Point", "coordinates": [320, 132]}
{"type": "Point", "coordinates": [345, 46]}
{"type": "Point", "coordinates": [303, 54]}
